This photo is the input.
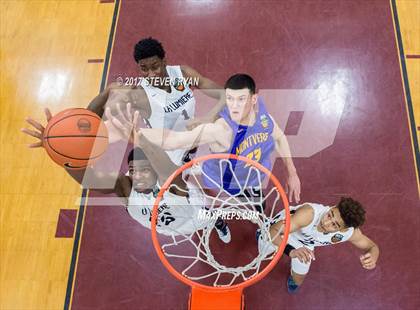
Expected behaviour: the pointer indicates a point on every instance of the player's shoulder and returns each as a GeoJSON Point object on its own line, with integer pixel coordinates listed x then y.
{"type": "Point", "coordinates": [187, 70]}
{"type": "Point", "coordinates": [275, 125]}
{"type": "Point", "coordinates": [305, 208]}
{"type": "Point", "coordinates": [305, 213]}
{"type": "Point", "coordinates": [271, 117]}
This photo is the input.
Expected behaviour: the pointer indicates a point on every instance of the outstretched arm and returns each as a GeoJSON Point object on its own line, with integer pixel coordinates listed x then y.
{"type": "Point", "coordinates": [97, 104]}
{"type": "Point", "coordinates": [302, 217]}
{"type": "Point", "coordinates": [209, 87]}
{"type": "Point", "coordinates": [115, 94]}
{"type": "Point", "coordinates": [283, 149]}
{"type": "Point", "coordinates": [211, 133]}
{"type": "Point", "coordinates": [369, 248]}
{"type": "Point", "coordinates": [162, 164]}
{"type": "Point", "coordinates": [89, 178]}
{"type": "Point", "coordinates": [126, 124]}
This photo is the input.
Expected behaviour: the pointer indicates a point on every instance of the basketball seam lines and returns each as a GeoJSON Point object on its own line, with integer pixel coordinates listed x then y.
{"type": "Point", "coordinates": [53, 149]}
{"type": "Point", "coordinates": [75, 136]}
{"type": "Point", "coordinates": [84, 114]}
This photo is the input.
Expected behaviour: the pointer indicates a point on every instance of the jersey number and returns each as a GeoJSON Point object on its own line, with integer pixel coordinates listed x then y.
{"type": "Point", "coordinates": [254, 155]}
{"type": "Point", "coordinates": [185, 114]}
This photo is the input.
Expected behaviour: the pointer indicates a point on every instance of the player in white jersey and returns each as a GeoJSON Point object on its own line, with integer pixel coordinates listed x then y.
{"type": "Point", "coordinates": [178, 208]}
{"type": "Point", "coordinates": [161, 93]}
{"type": "Point", "coordinates": [314, 225]}
{"type": "Point", "coordinates": [172, 108]}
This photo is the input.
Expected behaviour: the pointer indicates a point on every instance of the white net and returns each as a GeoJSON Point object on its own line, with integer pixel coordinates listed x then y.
{"type": "Point", "coordinates": [249, 204]}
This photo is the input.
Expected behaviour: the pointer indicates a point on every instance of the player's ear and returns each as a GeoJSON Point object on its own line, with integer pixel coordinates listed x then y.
{"type": "Point", "coordinates": [254, 99]}
{"type": "Point", "coordinates": [164, 61]}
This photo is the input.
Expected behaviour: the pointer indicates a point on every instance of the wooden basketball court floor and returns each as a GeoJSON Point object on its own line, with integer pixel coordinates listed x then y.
{"type": "Point", "coordinates": [57, 251]}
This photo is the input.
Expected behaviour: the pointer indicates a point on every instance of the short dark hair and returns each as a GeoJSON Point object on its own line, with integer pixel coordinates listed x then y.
{"type": "Point", "coordinates": [241, 81]}
{"type": "Point", "coordinates": [136, 154]}
{"type": "Point", "coordinates": [351, 212]}
{"type": "Point", "coordinates": [148, 47]}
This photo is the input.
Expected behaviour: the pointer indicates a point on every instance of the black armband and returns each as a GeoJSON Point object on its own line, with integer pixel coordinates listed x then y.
{"type": "Point", "coordinates": [288, 249]}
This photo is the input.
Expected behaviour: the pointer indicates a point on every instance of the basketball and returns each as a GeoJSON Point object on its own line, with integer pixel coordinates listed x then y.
{"type": "Point", "coordinates": [75, 137]}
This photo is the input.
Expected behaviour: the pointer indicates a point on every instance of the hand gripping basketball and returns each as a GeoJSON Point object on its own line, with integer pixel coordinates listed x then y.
{"type": "Point", "coordinates": [73, 138]}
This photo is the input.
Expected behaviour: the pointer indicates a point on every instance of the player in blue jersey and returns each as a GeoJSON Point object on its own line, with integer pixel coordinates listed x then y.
{"type": "Point", "coordinates": [254, 141]}
{"type": "Point", "coordinates": [244, 128]}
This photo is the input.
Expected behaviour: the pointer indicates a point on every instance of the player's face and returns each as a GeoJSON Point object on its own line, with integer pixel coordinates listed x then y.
{"type": "Point", "coordinates": [152, 67]}
{"type": "Point", "coordinates": [332, 221]}
{"type": "Point", "coordinates": [240, 103]}
{"type": "Point", "coordinates": [142, 175]}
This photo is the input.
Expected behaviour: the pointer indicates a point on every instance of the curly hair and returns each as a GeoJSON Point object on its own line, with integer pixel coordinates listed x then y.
{"type": "Point", "coordinates": [351, 212]}
{"type": "Point", "coordinates": [148, 47]}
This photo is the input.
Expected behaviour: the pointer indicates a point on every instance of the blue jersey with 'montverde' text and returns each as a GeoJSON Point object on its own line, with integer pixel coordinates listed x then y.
{"type": "Point", "coordinates": [254, 142]}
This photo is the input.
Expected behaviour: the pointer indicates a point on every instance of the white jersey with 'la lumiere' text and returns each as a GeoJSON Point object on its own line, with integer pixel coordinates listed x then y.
{"type": "Point", "coordinates": [171, 110]}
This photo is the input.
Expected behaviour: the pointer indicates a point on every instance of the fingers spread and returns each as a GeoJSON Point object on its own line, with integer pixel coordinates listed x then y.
{"type": "Point", "coordinates": [48, 114]}
{"type": "Point", "coordinates": [32, 133]}
{"type": "Point", "coordinates": [35, 124]}
{"type": "Point", "coordinates": [136, 119]}
{"type": "Point", "coordinates": [297, 195]}
{"type": "Point", "coordinates": [117, 123]}
{"type": "Point", "coordinates": [121, 114]}
{"type": "Point", "coordinates": [108, 113]}
{"type": "Point", "coordinates": [129, 114]}
{"type": "Point", "coordinates": [33, 145]}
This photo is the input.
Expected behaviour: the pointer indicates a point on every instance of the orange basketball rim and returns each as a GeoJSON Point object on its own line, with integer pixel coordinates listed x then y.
{"type": "Point", "coordinates": [213, 297]}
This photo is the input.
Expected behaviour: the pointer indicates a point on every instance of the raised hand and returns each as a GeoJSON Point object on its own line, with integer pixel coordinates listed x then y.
{"type": "Point", "coordinates": [40, 129]}
{"type": "Point", "coordinates": [293, 187]}
{"type": "Point", "coordinates": [122, 125]}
